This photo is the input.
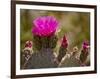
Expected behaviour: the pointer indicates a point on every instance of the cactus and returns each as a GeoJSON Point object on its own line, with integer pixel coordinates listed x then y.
{"type": "Point", "coordinates": [71, 59]}
{"type": "Point", "coordinates": [63, 49]}
{"type": "Point", "coordinates": [84, 53]}
{"type": "Point", "coordinates": [69, 62]}
{"type": "Point", "coordinates": [42, 59]}
{"type": "Point", "coordinates": [26, 52]}
{"type": "Point", "coordinates": [44, 41]}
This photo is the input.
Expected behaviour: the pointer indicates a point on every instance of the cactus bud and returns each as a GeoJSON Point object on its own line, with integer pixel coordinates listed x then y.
{"type": "Point", "coordinates": [29, 44]}
{"type": "Point", "coordinates": [85, 45]}
{"type": "Point", "coordinates": [64, 42]}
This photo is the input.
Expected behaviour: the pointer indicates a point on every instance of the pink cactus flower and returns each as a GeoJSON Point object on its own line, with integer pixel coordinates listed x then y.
{"type": "Point", "coordinates": [64, 42]}
{"type": "Point", "coordinates": [45, 26]}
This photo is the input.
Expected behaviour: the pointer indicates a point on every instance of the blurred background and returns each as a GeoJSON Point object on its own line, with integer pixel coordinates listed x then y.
{"type": "Point", "coordinates": [76, 26]}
